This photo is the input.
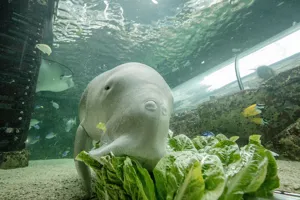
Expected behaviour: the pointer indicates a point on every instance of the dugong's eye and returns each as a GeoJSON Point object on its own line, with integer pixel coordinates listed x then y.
{"type": "Point", "coordinates": [107, 87]}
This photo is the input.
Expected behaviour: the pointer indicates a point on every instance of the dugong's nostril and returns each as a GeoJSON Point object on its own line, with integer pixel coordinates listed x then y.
{"type": "Point", "coordinates": [150, 105]}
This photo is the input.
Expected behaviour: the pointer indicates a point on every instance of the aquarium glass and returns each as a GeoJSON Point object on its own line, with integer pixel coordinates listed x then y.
{"type": "Point", "coordinates": [150, 99]}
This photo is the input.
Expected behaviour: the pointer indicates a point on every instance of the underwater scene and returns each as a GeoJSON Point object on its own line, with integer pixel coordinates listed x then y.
{"type": "Point", "coordinates": [150, 99]}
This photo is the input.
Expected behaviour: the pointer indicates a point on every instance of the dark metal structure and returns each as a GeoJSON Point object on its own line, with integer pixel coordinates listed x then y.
{"type": "Point", "coordinates": [22, 26]}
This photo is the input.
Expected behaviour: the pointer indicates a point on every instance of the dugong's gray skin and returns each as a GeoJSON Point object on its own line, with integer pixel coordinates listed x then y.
{"type": "Point", "coordinates": [135, 103]}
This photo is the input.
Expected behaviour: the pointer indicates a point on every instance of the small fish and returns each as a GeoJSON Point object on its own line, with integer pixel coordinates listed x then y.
{"type": "Point", "coordinates": [265, 72]}
{"type": "Point", "coordinates": [44, 48]}
{"type": "Point", "coordinates": [36, 126]}
{"type": "Point", "coordinates": [55, 105]}
{"type": "Point", "coordinates": [33, 122]}
{"type": "Point", "coordinates": [70, 123]}
{"type": "Point", "coordinates": [35, 140]}
{"type": "Point", "coordinates": [207, 134]}
{"type": "Point", "coordinates": [42, 2]}
{"type": "Point", "coordinates": [38, 107]}
{"type": "Point", "coordinates": [259, 120]}
{"type": "Point", "coordinates": [253, 110]}
{"type": "Point", "coordinates": [101, 126]}
{"type": "Point", "coordinates": [65, 153]}
{"type": "Point", "coordinates": [50, 135]}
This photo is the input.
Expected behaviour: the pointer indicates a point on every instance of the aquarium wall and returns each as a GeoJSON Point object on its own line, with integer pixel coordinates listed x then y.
{"type": "Point", "coordinates": [221, 80]}
{"type": "Point", "coordinates": [91, 38]}
{"type": "Point", "coordinates": [233, 67]}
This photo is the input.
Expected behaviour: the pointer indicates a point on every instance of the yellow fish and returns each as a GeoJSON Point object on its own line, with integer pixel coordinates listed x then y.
{"type": "Point", "coordinates": [101, 126]}
{"type": "Point", "coordinates": [253, 110]}
{"type": "Point", "coordinates": [44, 48]}
{"type": "Point", "coordinates": [258, 120]}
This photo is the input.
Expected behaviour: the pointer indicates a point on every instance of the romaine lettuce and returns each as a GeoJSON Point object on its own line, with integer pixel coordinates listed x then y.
{"type": "Point", "coordinates": [204, 168]}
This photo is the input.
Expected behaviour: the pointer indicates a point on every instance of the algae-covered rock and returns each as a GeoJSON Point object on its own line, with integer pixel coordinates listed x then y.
{"type": "Point", "coordinates": [288, 141]}
{"type": "Point", "coordinates": [281, 96]}
{"type": "Point", "coordinates": [14, 159]}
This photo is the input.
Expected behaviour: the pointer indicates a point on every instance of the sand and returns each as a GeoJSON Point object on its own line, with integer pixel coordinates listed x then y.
{"type": "Point", "coordinates": [57, 179]}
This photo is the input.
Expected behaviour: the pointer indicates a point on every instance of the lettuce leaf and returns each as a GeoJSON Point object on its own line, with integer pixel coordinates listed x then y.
{"type": "Point", "coordinates": [120, 178]}
{"type": "Point", "coordinates": [189, 175]}
{"type": "Point", "coordinates": [204, 168]}
{"type": "Point", "coordinates": [271, 181]}
{"type": "Point", "coordinates": [254, 174]}
{"type": "Point", "coordinates": [181, 143]}
{"type": "Point", "coordinates": [170, 173]}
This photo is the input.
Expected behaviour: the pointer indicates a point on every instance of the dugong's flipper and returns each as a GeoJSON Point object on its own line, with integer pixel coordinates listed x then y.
{"type": "Point", "coordinates": [83, 142]}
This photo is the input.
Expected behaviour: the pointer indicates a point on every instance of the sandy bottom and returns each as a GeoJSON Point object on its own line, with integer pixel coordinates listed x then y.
{"type": "Point", "coordinates": [57, 179]}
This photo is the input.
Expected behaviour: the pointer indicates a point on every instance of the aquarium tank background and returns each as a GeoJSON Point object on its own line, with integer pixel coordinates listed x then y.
{"type": "Point", "coordinates": [219, 57]}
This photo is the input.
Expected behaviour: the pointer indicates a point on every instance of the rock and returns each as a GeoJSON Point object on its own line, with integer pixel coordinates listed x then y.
{"type": "Point", "coordinates": [288, 141]}
{"type": "Point", "coordinates": [281, 96]}
{"type": "Point", "coordinates": [14, 159]}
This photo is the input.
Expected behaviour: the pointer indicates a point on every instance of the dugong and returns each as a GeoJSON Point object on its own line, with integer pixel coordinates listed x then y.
{"type": "Point", "coordinates": [135, 103]}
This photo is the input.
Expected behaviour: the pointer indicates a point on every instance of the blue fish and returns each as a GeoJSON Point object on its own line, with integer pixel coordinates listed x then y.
{"type": "Point", "coordinates": [207, 134]}
{"type": "Point", "coordinates": [38, 107]}
{"type": "Point", "coordinates": [65, 153]}
{"type": "Point", "coordinates": [50, 135]}
{"type": "Point", "coordinates": [36, 126]}
{"type": "Point", "coordinates": [35, 140]}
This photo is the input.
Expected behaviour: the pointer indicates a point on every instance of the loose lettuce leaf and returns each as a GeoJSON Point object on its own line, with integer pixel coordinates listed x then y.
{"type": "Point", "coordinates": [109, 184]}
{"type": "Point", "coordinates": [234, 138]}
{"type": "Point", "coordinates": [200, 142]}
{"type": "Point", "coordinates": [137, 181]}
{"type": "Point", "coordinates": [203, 144]}
{"type": "Point", "coordinates": [221, 137]}
{"type": "Point", "coordinates": [170, 174]}
{"type": "Point", "coordinates": [120, 178]}
{"type": "Point", "coordinates": [255, 139]}
{"type": "Point", "coordinates": [227, 150]}
{"type": "Point", "coordinates": [181, 143]}
{"type": "Point", "coordinates": [193, 184]}
{"type": "Point", "coordinates": [271, 181]}
{"type": "Point", "coordinates": [246, 175]}
{"type": "Point", "coordinates": [214, 177]}
{"type": "Point", "coordinates": [189, 175]}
